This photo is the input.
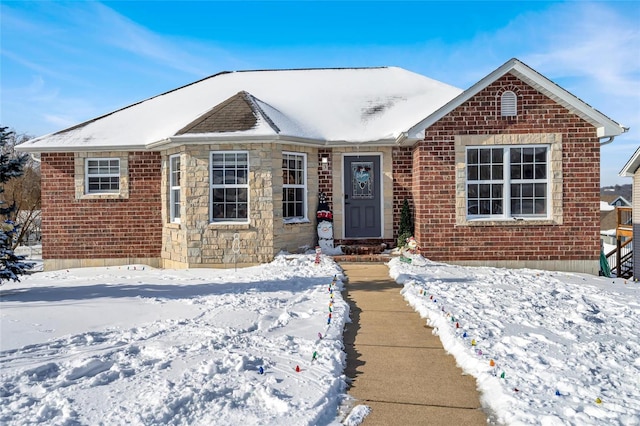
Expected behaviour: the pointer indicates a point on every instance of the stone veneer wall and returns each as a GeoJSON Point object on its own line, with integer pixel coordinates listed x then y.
{"type": "Point", "coordinates": [296, 237]}
{"type": "Point", "coordinates": [570, 242]}
{"type": "Point", "coordinates": [197, 242]}
{"type": "Point", "coordinates": [174, 235]}
{"type": "Point", "coordinates": [82, 230]}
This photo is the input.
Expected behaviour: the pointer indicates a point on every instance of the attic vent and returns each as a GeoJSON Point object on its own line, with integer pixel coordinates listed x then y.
{"type": "Point", "coordinates": [509, 104]}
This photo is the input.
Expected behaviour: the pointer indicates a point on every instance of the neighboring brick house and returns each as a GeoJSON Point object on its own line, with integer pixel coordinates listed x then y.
{"type": "Point", "coordinates": [228, 170]}
{"type": "Point", "coordinates": [632, 169]}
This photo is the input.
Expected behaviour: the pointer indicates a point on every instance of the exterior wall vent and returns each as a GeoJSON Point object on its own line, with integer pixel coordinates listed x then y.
{"type": "Point", "coordinates": [509, 104]}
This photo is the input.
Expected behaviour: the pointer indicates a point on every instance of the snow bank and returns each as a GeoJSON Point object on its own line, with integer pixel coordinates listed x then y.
{"type": "Point", "coordinates": [545, 347]}
{"type": "Point", "coordinates": [136, 345]}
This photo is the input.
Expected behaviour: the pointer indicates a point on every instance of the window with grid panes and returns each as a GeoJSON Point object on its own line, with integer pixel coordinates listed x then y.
{"type": "Point", "coordinates": [102, 175]}
{"type": "Point", "coordinates": [294, 187]}
{"type": "Point", "coordinates": [507, 182]}
{"type": "Point", "coordinates": [174, 191]}
{"type": "Point", "coordinates": [229, 186]}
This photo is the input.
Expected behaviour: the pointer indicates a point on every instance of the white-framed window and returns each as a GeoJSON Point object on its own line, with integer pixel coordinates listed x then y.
{"type": "Point", "coordinates": [229, 186]}
{"type": "Point", "coordinates": [508, 104]}
{"type": "Point", "coordinates": [507, 182]}
{"type": "Point", "coordinates": [102, 175]}
{"type": "Point", "coordinates": [174, 188]}
{"type": "Point", "coordinates": [294, 185]}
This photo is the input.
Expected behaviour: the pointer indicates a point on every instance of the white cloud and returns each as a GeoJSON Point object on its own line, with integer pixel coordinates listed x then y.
{"type": "Point", "coordinates": [593, 42]}
{"type": "Point", "coordinates": [129, 41]}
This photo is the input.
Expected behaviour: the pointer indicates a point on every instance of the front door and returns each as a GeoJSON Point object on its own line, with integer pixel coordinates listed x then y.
{"type": "Point", "coordinates": [362, 197]}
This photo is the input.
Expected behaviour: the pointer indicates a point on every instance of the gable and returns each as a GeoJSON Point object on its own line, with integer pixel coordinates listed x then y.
{"type": "Point", "coordinates": [233, 115]}
{"type": "Point", "coordinates": [605, 126]}
{"type": "Point", "coordinates": [632, 166]}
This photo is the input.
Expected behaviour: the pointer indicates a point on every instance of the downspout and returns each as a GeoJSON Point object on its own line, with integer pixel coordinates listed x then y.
{"type": "Point", "coordinates": [608, 141]}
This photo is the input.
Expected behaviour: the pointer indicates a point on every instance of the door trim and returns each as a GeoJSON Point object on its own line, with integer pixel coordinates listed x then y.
{"type": "Point", "coordinates": [380, 155]}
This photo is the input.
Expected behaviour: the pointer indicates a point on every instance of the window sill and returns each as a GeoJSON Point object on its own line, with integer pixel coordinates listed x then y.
{"type": "Point", "coordinates": [103, 196]}
{"type": "Point", "coordinates": [508, 222]}
{"type": "Point", "coordinates": [229, 225]}
{"type": "Point", "coordinates": [295, 221]}
{"type": "Point", "coordinates": [173, 225]}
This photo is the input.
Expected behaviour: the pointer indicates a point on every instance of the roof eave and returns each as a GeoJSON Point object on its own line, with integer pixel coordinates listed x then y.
{"type": "Point", "coordinates": [292, 139]}
{"type": "Point", "coordinates": [629, 169]}
{"type": "Point", "coordinates": [93, 148]}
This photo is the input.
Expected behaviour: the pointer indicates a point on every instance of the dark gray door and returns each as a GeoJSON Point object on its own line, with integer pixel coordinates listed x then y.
{"type": "Point", "coordinates": [362, 206]}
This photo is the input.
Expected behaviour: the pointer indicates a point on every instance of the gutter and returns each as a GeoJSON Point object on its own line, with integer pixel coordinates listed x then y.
{"type": "Point", "coordinates": [293, 140]}
{"type": "Point", "coordinates": [611, 138]}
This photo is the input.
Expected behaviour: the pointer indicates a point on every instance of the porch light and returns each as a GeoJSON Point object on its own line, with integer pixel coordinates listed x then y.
{"type": "Point", "coordinates": [325, 163]}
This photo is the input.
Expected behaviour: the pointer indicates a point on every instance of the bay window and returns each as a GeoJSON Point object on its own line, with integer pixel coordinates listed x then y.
{"type": "Point", "coordinates": [294, 187]}
{"type": "Point", "coordinates": [229, 186]}
{"type": "Point", "coordinates": [174, 185]}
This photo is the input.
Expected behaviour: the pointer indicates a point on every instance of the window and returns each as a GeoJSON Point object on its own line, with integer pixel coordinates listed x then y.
{"type": "Point", "coordinates": [229, 186]}
{"type": "Point", "coordinates": [507, 182]}
{"type": "Point", "coordinates": [102, 175]}
{"type": "Point", "coordinates": [174, 188]}
{"type": "Point", "coordinates": [294, 197]}
{"type": "Point", "coordinates": [509, 104]}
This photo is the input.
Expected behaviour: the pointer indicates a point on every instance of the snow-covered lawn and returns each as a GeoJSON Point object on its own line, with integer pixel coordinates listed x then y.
{"type": "Point", "coordinates": [136, 345]}
{"type": "Point", "coordinates": [546, 348]}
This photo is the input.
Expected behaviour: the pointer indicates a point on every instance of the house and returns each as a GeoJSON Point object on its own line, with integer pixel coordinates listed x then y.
{"type": "Point", "coordinates": [609, 215]}
{"type": "Point", "coordinates": [616, 200]}
{"type": "Point", "coordinates": [227, 170]}
{"type": "Point", "coordinates": [632, 169]}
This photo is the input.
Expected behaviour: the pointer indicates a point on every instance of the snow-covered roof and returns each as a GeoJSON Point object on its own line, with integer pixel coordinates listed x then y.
{"type": "Point", "coordinates": [632, 165]}
{"type": "Point", "coordinates": [316, 106]}
{"type": "Point", "coordinates": [605, 125]}
{"type": "Point", "coordinates": [606, 207]}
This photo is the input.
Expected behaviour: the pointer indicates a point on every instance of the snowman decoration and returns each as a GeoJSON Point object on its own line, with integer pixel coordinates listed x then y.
{"type": "Point", "coordinates": [412, 244]}
{"type": "Point", "coordinates": [325, 224]}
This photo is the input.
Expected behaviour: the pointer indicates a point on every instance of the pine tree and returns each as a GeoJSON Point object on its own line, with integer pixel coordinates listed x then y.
{"type": "Point", "coordinates": [11, 265]}
{"type": "Point", "coordinates": [406, 224]}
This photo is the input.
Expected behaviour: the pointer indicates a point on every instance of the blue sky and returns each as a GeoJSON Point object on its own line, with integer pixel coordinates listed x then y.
{"type": "Point", "coordinates": [65, 62]}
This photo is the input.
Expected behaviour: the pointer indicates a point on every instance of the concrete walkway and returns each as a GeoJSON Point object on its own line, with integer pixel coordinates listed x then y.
{"type": "Point", "coordinates": [397, 366]}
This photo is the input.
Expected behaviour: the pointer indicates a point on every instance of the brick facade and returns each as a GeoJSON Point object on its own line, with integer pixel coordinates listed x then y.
{"type": "Point", "coordinates": [325, 174]}
{"type": "Point", "coordinates": [573, 242]}
{"type": "Point", "coordinates": [402, 183]}
{"type": "Point", "coordinates": [99, 230]}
